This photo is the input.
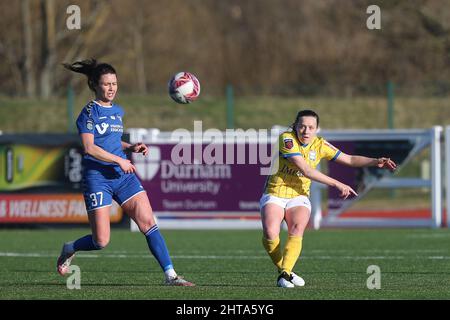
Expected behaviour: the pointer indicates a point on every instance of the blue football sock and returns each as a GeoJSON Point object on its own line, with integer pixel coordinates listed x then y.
{"type": "Point", "coordinates": [86, 243]}
{"type": "Point", "coordinates": [158, 247]}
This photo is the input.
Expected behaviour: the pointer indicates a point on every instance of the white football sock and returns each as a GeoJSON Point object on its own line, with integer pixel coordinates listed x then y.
{"type": "Point", "coordinates": [170, 273]}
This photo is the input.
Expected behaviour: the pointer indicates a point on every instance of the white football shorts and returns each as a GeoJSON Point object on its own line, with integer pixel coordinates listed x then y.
{"type": "Point", "coordinates": [285, 203]}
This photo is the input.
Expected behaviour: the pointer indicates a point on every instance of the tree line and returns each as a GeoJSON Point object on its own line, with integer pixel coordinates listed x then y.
{"type": "Point", "coordinates": [274, 46]}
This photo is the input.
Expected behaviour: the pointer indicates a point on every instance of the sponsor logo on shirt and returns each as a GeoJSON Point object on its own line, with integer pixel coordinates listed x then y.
{"type": "Point", "coordinates": [116, 128]}
{"type": "Point", "coordinates": [312, 155]}
{"type": "Point", "coordinates": [293, 172]}
{"type": "Point", "coordinates": [104, 127]}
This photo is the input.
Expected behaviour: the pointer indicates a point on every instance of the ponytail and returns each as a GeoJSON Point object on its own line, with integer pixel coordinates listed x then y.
{"type": "Point", "coordinates": [91, 69]}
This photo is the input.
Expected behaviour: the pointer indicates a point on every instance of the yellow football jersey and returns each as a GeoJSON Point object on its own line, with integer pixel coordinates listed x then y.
{"type": "Point", "coordinates": [288, 181]}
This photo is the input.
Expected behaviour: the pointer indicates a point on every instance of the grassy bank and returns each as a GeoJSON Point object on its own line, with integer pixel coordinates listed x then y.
{"type": "Point", "coordinates": [19, 115]}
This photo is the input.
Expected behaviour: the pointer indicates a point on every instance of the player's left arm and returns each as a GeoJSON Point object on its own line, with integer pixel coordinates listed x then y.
{"type": "Point", "coordinates": [361, 161]}
{"type": "Point", "coordinates": [136, 148]}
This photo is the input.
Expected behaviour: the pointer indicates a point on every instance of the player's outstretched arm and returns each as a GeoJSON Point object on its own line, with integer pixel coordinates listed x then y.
{"type": "Point", "coordinates": [87, 139]}
{"type": "Point", "coordinates": [318, 176]}
{"type": "Point", "coordinates": [361, 161]}
{"type": "Point", "coordinates": [136, 148]}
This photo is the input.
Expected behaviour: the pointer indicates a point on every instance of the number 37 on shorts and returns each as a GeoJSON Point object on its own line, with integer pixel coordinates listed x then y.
{"type": "Point", "coordinates": [96, 200]}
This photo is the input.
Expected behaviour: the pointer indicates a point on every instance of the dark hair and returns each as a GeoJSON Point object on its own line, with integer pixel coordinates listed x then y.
{"type": "Point", "coordinates": [304, 113]}
{"type": "Point", "coordinates": [91, 69]}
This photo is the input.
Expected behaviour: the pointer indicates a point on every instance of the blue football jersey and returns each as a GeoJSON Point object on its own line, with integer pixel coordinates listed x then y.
{"type": "Point", "coordinates": [105, 123]}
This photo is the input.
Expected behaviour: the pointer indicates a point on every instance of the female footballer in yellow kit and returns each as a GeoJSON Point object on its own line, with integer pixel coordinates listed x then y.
{"type": "Point", "coordinates": [286, 192]}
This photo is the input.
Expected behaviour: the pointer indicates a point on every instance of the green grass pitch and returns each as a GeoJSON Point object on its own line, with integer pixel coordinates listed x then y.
{"type": "Point", "coordinates": [226, 264]}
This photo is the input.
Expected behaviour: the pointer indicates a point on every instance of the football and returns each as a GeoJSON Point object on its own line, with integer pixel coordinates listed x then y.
{"type": "Point", "coordinates": [184, 87]}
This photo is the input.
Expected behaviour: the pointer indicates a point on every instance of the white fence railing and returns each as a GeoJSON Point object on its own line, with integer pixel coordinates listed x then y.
{"type": "Point", "coordinates": [447, 172]}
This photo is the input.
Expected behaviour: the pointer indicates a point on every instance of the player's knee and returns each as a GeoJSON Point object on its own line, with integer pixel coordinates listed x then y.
{"type": "Point", "coordinates": [101, 243]}
{"type": "Point", "coordinates": [271, 233]}
{"type": "Point", "coordinates": [296, 229]}
{"type": "Point", "coordinates": [145, 223]}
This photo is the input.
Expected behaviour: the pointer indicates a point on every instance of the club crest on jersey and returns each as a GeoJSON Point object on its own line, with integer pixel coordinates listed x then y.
{"type": "Point", "coordinates": [312, 155]}
{"type": "Point", "coordinates": [90, 125]}
{"type": "Point", "coordinates": [288, 143]}
{"type": "Point", "coordinates": [103, 129]}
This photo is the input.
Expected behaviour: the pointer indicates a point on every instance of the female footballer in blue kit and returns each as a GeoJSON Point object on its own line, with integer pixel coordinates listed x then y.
{"type": "Point", "coordinates": [108, 174]}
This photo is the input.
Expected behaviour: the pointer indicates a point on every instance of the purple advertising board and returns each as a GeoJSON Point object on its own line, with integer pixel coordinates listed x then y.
{"type": "Point", "coordinates": [341, 173]}
{"type": "Point", "coordinates": [231, 186]}
{"type": "Point", "coordinates": [230, 182]}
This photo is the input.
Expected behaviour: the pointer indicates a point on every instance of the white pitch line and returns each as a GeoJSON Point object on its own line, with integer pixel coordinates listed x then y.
{"type": "Point", "coordinates": [219, 257]}
{"type": "Point", "coordinates": [428, 236]}
{"type": "Point", "coordinates": [343, 251]}
{"type": "Point", "coordinates": [124, 256]}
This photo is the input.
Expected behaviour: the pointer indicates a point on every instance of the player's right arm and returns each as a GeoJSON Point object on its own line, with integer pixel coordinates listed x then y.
{"type": "Point", "coordinates": [318, 176]}
{"type": "Point", "coordinates": [87, 139]}
{"type": "Point", "coordinates": [289, 149]}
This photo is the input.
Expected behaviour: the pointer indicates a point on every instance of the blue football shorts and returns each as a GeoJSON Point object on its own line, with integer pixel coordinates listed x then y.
{"type": "Point", "coordinates": [101, 187]}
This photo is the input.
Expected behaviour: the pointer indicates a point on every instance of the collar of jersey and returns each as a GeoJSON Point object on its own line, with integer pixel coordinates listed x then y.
{"type": "Point", "coordinates": [103, 106]}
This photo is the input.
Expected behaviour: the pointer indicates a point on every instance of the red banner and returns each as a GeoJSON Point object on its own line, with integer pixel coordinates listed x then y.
{"type": "Point", "coordinates": [47, 208]}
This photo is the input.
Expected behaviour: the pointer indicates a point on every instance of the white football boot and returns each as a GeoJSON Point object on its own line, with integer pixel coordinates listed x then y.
{"type": "Point", "coordinates": [285, 281]}
{"type": "Point", "coordinates": [178, 281]}
{"type": "Point", "coordinates": [297, 280]}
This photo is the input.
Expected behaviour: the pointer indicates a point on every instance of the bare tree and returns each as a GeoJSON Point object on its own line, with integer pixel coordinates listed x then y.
{"type": "Point", "coordinates": [48, 47]}
{"type": "Point", "coordinates": [79, 45]}
{"type": "Point", "coordinates": [139, 54]}
{"type": "Point", "coordinates": [261, 44]}
{"type": "Point", "coordinates": [28, 54]}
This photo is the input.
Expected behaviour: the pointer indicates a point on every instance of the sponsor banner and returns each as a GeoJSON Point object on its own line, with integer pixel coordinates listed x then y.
{"type": "Point", "coordinates": [47, 208]}
{"type": "Point", "coordinates": [47, 163]}
{"type": "Point", "coordinates": [52, 165]}
{"type": "Point", "coordinates": [235, 185]}
{"type": "Point", "coordinates": [40, 179]}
